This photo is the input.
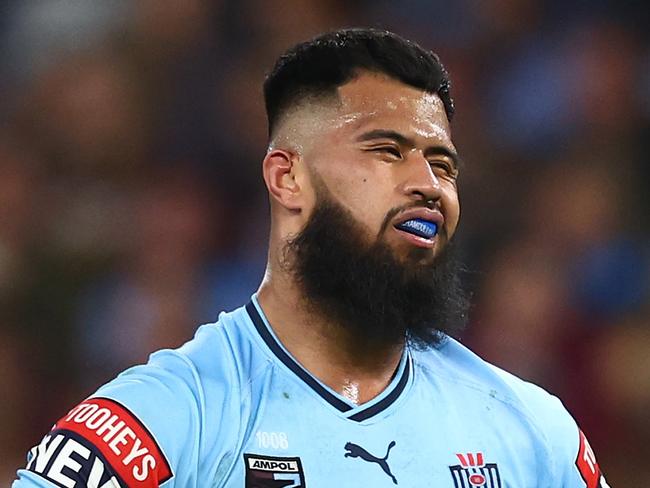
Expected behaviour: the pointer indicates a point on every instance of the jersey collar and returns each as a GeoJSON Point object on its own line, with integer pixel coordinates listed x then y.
{"type": "Point", "coordinates": [357, 413]}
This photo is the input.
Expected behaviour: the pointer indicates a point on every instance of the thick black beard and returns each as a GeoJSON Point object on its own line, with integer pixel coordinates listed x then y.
{"type": "Point", "coordinates": [363, 287]}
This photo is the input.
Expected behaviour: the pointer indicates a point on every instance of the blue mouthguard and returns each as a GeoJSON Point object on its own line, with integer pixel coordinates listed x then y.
{"type": "Point", "coordinates": [419, 227]}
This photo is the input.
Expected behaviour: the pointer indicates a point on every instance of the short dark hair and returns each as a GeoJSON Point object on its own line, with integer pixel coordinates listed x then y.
{"type": "Point", "coordinates": [317, 67]}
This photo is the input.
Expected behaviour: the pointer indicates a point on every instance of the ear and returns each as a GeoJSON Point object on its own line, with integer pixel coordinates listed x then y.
{"type": "Point", "coordinates": [279, 169]}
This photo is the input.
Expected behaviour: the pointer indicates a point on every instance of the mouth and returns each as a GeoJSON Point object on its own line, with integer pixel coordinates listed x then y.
{"type": "Point", "coordinates": [419, 227]}
{"type": "Point", "coordinates": [418, 232]}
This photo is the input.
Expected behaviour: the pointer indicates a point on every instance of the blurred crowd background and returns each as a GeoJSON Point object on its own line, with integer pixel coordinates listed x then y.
{"type": "Point", "coordinates": [132, 207]}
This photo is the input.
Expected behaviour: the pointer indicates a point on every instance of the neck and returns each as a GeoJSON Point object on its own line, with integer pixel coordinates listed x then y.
{"type": "Point", "coordinates": [347, 364]}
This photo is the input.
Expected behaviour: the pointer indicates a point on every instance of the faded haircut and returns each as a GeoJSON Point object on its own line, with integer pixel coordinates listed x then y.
{"type": "Point", "coordinates": [316, 68]}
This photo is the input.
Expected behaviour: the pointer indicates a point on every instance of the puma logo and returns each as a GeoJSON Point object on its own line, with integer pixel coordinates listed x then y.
{"type": "Point", "coordinates": [355, 451]}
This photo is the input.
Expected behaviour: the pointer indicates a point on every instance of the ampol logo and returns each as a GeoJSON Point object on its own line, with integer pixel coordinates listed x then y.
{"type": "Point", "coordinates": [273, 472]}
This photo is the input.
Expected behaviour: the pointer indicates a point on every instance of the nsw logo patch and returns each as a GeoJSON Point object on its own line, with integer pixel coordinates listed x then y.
{"type": "Point", "coordinates": [273, 472]}
{"type": "Point", "coordinates": [474, 472]}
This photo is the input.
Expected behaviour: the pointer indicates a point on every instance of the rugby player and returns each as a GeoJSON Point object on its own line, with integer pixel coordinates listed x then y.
{"type": "Point", "coordinates": [342, 370]}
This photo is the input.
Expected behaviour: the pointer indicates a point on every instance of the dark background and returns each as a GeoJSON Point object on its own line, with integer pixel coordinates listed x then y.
{"type": "Point", "coordinates": [132, 207]}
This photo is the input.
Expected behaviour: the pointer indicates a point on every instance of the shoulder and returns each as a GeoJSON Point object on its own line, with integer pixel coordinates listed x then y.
{"type": "Point", "coordinates": [151, 423]}
{"type": "Point", "coordinates": [574, 463]}
{"type": "Point", "coordinates": [458, 365]}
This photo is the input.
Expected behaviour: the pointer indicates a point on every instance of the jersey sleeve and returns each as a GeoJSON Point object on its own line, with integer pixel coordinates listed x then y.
{"type": "Point", "coordinates": [574, 459]}
{"type": "Point", "coordinates": [571, 462]}
{"type": "Point", "coordinates": [140, 430]}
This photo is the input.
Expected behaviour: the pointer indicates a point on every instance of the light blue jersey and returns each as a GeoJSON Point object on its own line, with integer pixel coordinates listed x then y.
{"type": "Point", "coordinates": [232, 408]}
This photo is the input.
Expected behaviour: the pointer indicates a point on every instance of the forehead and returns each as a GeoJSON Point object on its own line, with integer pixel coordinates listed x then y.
{"type": "Point", "coordinates": [372, 99]}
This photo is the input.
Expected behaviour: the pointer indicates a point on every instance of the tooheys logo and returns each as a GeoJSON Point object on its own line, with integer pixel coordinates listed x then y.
{"type": "Point", "coordinates": [588, 466]}
{"type": "Point", "coordinates": [100, 443]}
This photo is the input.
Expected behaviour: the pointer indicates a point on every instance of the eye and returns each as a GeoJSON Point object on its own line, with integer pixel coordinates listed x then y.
{"type": "Point", "coordinates": [445, 167]}
{"type": "Point", "coordinates": [388, 150]}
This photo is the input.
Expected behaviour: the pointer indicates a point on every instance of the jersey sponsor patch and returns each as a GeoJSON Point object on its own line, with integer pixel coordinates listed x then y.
{"type": "Point", "coordinates": [474, 472]}
{"type": "Point", "coordinates": [588, 466]}
{"type": "Point", "coordinates": [273, 472]}
{"type": "Point", "coordinates": [100, 444]}
{"type": "Point", "coordinates": [68, 460]}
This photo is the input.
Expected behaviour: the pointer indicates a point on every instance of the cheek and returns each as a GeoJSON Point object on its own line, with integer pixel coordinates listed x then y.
{"type": "Point", "coordinates": [350, 184]}
{"type": "Point", "coordinates": [364, 200]}
{"type": "Point", "coordinates": [451, 209]}
{"type": "Point", "coordinates": [363, 196]}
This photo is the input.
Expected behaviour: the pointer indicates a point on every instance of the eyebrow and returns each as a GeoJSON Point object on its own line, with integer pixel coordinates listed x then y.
{"type": "Point", "coordinates": [436, 150]}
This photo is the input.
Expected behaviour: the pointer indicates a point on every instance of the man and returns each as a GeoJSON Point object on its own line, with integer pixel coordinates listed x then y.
{"type": "Point", "coordinates": [341, 370]}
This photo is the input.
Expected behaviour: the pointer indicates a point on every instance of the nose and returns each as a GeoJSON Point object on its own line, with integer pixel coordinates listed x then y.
{"type": "Point", "coordinates": [419, 181]}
